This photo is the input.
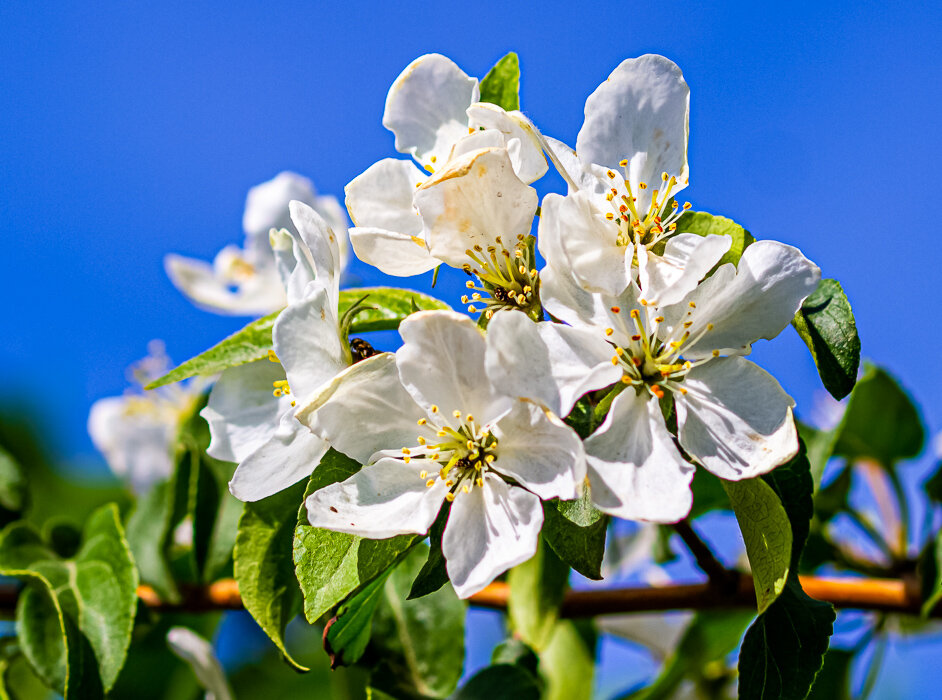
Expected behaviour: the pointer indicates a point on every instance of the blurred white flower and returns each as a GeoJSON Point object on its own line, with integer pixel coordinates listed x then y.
{"type": "Point", "coordinates": [244, 281]}
{"type": "Point", "coordinates": [137, 432]}
{"type": "Point", "coordinates": [199, 654]}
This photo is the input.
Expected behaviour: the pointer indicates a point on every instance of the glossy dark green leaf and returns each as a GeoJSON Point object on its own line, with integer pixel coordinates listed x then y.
{"type": "Point", "coordinates": [264, 568]}
{"type": "Point", "coordinates": [433, 574]}
{"type": "Point", "coordinates": [501, 85]}
{"type": "Point", "coordinates": [784, 648]}
{"type": "Point", "coordinates": [536, 592]}
{"type": "Point", "coordinates": [833, 681]}
{"type": "Point", "coordinates": [332, 565]}
{"type": "Point", "coordinates": [575, 531]}
{"type": "Point", "coordinates": [794, 486]}
{"type": "Point", "coordinates": [826, 323]}
{"type": "Point", "coordinates": [348, 632]}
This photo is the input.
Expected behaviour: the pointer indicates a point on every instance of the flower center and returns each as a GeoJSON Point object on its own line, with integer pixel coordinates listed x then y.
{"type": "Point", "coordinates": [649, 362]}
{"type": "Point", "coordinates": [648, 227]}
{"type": "Point", "coordinates": [459, 456]}
{"type": "Point", "coordinates": [507, 276]}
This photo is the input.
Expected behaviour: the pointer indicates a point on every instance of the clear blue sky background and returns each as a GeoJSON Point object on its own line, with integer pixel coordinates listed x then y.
{"type": "Point", "coordinates": [129, 130]}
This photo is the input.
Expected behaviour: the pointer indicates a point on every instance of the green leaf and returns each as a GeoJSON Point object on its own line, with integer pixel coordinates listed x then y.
{"type": "Point", "coordinates": [75, 618]}
{"type": "Point", "coordinates": [704, 224]}
{"type": "Point", "coordinates": [348, 632]}
{"type": "Point", "coordinates": [767, 534]}
{"type": "Point", "coordinates": [833, 681]}
{"type": "Point", "coordinates": [784, 649]}
{"type": "Point", "coordinates": [264, 568]}
{"type": "Point", "coordinates": [501, 85]}
{"type": "Point", "coordinates": [930, 570]}
{"type": "Point", "coordinates": [709, 638]}
{"type": "Point", "coordinates": [498, 682]}
{"type": "Point", "coordinates": [568, 661]}
{"type": "Point", "coordinates": [332, 565]}
{"type": "Point", "coordinates": [820, 446]}
{"type": "Point", "coordinates": [575, 531]}
{"type": "Point", "coordinates": [149, 533]}
{"type": "Point", "coordinates": [794, 486]}
{"type": "Point", "coordinates": [708, 494]}
{"type": "Point", "coordinates": [536, 592]}
{"type": "Point", "coordinates": [881, 422]}
{"type": "Point", "coordinates": [392, 306]}
{"type": "Point", "coordinates": [433, 574]}
{"type": "Point", "coordinates": [246, 345]}
{"type": "Point", "coordinates": [421, 641]}
{"type": "Point", "coordinates": [933, 485]}
{"type": "Point", "coordinates": [826, 323]}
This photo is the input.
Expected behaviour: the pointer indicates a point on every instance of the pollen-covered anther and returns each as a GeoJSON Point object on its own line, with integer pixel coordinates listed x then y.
{"type": "Point", "coordinates": [422, 421]}
{"type": "Point", "coordinates": [469, 284]}
{"type": "Point", "coordinates": [423, 474]}
{"type": "Point", "coordinates": [430, 483]}
{"type": "Point", "coordinates": [657, 391]}
{"type": "Point", "coordinates": [272, 357]}
{"type": "Point", "coordinates": [687, 205]}
{"type": "Point", "coordinates": [449, 497]}
{"type": "Point", "coordinates": [420, 440]}
{"type": "Point", "coordinates": [433, 408]}
{"type": "Point", "coordinates": [480, 482]}
{"type": "Point", "coordinates": [456, 413]}
{"type": "Point", "coordinates": [636, 361]}
{"type": "Point", "coordinates": [609, 331]}
{"type": "Point", "coordinates": [615, 360]}
{"type": "Point", "coordinates": [623, 162]}
{"type": "Point", "coordinates": [469, 418]}
{"type": "Point", "coordinates": [625, 379]}
{"type": "Point", "coordinates": [406, 450]}
{"type": "Point", "coordinates": [611, 174]}
{"type": "Point", "coordinates": [635, 314]}
{"type": "Point", "coordinates": [616, 309]}
{"type": "Point", "coordinates": [643, 185]}
{"type": "Point", "coordinates": [636, 338]}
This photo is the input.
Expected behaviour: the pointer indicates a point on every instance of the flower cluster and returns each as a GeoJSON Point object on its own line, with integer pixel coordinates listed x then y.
{"type": "Point", "coordinates": [601, 302]}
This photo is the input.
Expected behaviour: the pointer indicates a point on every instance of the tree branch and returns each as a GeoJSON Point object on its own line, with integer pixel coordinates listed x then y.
{"type": "Point", "coordinates": [720, 577]}
{"type": "Point", "coordinates": [886, 595]}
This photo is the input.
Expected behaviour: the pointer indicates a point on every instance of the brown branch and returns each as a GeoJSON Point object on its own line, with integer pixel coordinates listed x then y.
{"type": "Point", "coordinates": [720, 577]}
{"type": "Point", "coordinates": [887, 595]}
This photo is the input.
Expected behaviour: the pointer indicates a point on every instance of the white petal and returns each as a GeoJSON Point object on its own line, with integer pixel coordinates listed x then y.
{"type": "Point", "coordinates": [478, 140]}
{"type": "Point", "coordinates": [441, 363]}
{"type": "Point", "coordinates": [489, 530]}
{"type": "Point", "coordinates": [549, 362]}
{"type": "Point", "coordinates": [382, 500]}
{"type": "Point", "coordinates": [735, 419]}
{"type": "Point", "coordinates": [381, 196]}
{"type": "Point", "coordinates": [771, 282]}
{"type": "Point", "coordinates": [397, 254]}
{"type": "Point", "coordinates": [289, 455]}
{"type": "Point", "coordinates": [257, 294]}
{"type": "Point", "coordinates": [266, 206]}
{"type": "Point", "coordinates": [426, 106]}
{"type": "Point", "coordinates": [307, 342]}
{"type": "Point", "coordinates": [364, 409]}
{"type": "Point", "coordinates": [589, 243]}
{"type": "Point", "coordinates": [640, 113]}
{"type": "Point", "coordinates": [539, 451]}
{"type": "Point", "coordinates": [476, 198]}
{"type": "Point", "coordinates": [198, 652]}
{"type": "Point", "coordinates": [666, 279]}
{"type": "Point", "coordinates": [635, 471]}
{"type": "Point", "coordinates": [242, 413]}
{"type": "Point", "coordinates": [321, 246]}
{"type": "Point", "coordinates": [528, 160]}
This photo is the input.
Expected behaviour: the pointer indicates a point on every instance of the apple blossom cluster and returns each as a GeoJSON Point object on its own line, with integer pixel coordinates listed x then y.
{"type": "Point", "coordinates": [602, 355]}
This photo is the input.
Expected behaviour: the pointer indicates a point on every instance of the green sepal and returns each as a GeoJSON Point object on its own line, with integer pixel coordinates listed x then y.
{"type": "Point", "coordinates": [501, 85]}
{"type": "Point", "coordinates": [826, 324]}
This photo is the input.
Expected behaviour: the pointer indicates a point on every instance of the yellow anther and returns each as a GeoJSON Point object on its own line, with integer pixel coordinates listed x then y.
{"type": "Point", "coordinates": [418, 184]}
{"type": "Point", "coordinates": [293, 404]}
{"type": "Point", "coordinates": [450, 482]}
{"type": "Point", "coordinates": [625, 379]}
{"type": "Point", "coordinates": [616, 309]}
{"type": "Point", "coordinates": [430, 169]}
{"type": "Point", "coordinates": [659, 319]}
{"type": "Point", "coordinates": [635, 313]}
{"type": "Point", "coordinates": [442, 433]}
{"type": "Point", "coordinates": [480, 482]}
{"type": "Point", "coordinates": [636, 337]}
{"type": "Point", "coordinates": [469, 418]}
{"type": "Point", "coordinates": [609, 331]}
{"type": "Point", "coordinates": [277, 393]}
{"type": "Point", "coordinates": [615, 359]}
{"type": "Point", "coordinates": [623, 162]}
{"type": "Point", "coordinates": [433, 408]}
{"type": "Point", "coordinates": [643, 302]}
{"type": "Point", "coordinates": [406, 459]}
{"type": "Point", "coordinates": [435, 456]}
{"type": "Point", "coordinates": [610, 216]}
{"type": "Point", "coordinates": [456, 413]}
{"type": "Point", "coordinates": [464, 299]}
{"type": "Point", "coordinates": [423, 474]}
{"type": "Point", "coordinates": [522, 269]}
{"type": "Point", "coordinates": [430, 483]}
{"type": "Point", "coordinates": [469, 444]}
{"type": "Point", "coordinates": [434, 158]}
{"type": "Point", "coordinates": [609, 196]}
{"type": "Point", "coordinates": [472, 309]}
{"type": "Point", "coordinates": [272, 357]}
{"type": "Point", "coordinates": [687, 205]}
{"type": "Point", "coordinates": [466, 489]}
{"type": "Point", "coordinates": [682, 390]}
{"type": "Point", "coordinates": [709, 326]}
{"type": "Point", "coordinates": [687, 324]}
{"type": "Point", "coordinates": [449, 496]}
{"type": "Point", "coordinates": [643, 185]}
{"type": "Point", "coordinates": [422, 421]}
{"type": "Point", "coordinates": [469, 284]}
{"type": "Point", "coordinates": [406, 451]}
{"type": "Point", "coordinates": [518, 254]}
{"type": "Point", "coordinates": [489, 314]}
{"type": "Point", "coordinates": [420, 440]}
{"type": "Point", "coordinates": [489, 458]}
{"type": "Point", "coordinates": [521, 299]}
{"type": "Point", "coordinates": [692, 305]}
{"type": "Point", "coordinates": [611, 174]}
{"type": "Point", "coordinates": [619, 351]}
{"type": "Point", "coordinates": [716, 353]}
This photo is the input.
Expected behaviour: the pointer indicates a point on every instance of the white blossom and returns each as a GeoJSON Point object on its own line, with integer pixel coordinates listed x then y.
{"type": "Point", "coordinates": [138, 432]}
{"type": "Point", "coordinates": [433, 110]}
{"type": "Point", "coordinates": [251, 407]}
{"type": "Point", "coordinates": [432, 427]}
{"type": "Point", "coordinates": [245, 281]}
{"type": "Point", "coordinates": [732, 417]}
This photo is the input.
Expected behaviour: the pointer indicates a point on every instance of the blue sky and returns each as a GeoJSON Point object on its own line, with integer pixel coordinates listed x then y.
{"type": "Point", "coordinates": [129, 130]}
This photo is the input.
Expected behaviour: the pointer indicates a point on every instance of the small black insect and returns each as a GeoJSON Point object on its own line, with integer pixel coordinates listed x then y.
{"type": "Point", "coordinates": [361, 350]}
